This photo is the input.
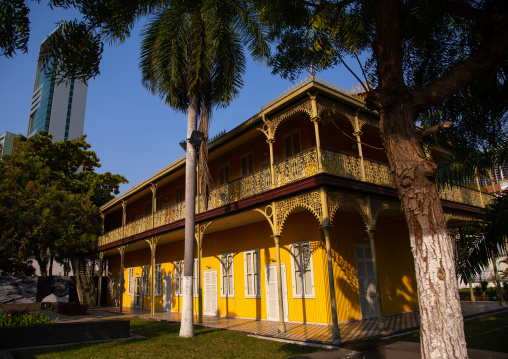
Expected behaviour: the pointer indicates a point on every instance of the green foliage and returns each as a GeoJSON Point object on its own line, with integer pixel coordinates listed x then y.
{"type": "Point", "coordinates": [162, 341]}
{"type": "Point", "coordinates": [22, 318]}
{"type": "Point", "coordinates": [47, 208]}
{"type": "Point", "coordinates": [14, 27]}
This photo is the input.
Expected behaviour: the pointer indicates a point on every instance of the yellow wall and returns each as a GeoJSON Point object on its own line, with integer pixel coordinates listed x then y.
{"type": "Point", "coordinates": [398, 286]}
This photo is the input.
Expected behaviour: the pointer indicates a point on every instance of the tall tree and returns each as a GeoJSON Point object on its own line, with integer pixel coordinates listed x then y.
{"type": "Point", "coordinates": [192, 57]}
{"type": "Point", "coordinates": [424, 52]}
{"type": "Point", "coordinates": [47, 208]}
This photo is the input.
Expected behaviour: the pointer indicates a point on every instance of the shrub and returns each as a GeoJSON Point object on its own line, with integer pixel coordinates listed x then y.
{"type": "Point", "coordinates": [16, 318]}
{"type": "Point", "coordinates": [491, 293]}
{"type": "Point", "coordinates": [71, 308]}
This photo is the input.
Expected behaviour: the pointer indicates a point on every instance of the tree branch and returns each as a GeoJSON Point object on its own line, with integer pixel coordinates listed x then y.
{"type": "Point", "coordinates": [435, 128]}
{"type": "Point", "coordinates": [469, 13]}
{"type": "Point", "coordinates": [486, 57]}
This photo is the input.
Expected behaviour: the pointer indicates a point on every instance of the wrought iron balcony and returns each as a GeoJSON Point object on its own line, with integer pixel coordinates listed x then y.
{"type": "Point", "coordinates": [292, 169]}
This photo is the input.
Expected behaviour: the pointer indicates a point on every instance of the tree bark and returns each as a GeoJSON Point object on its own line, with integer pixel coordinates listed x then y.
{"type": "Point", "coordinates": [442, 328]}
{"type": "Point", "coordinates": [187, 323]}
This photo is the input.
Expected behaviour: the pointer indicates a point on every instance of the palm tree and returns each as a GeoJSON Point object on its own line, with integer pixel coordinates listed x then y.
{"type": "Point", "coordinates": [192, 56]}
{"type": "Point", "coordinates": [485, 240]}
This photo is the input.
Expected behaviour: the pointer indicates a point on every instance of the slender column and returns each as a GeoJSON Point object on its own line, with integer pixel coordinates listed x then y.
{"type": "Point", "coordinates": [101, 269]}
{"type": "Point", "coordinates": [358, 134]}
{"type": "Point", "coordinates": [152, 242]}
{"type": "Point", "coordinates": [120, 291]}
{"type": "Point", "coordinates": [270, 142]}
{"type": "Point", "coordinates": [282, 326]}
{"type": "Point", "coordinates": [315, 119]}
{"type": "Point", "coordinates": [335, 328]}
{"type": "Point", "coordinates": [371, 230]}
{"type": "Point", "coordinates": [478, 186]}
{"type": "Point", "coordinates": [326, 226]}
{"type": "Point", "coordinates": [124, 217]}
{"type": "Point", "coordinates": [380, 319]}
{"type": "Point", "coordinates": [103, 218]}
{"type": "Point", "coordinates": [153, 187]}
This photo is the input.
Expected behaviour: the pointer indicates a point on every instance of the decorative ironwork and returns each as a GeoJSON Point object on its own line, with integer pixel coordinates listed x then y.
{"type": "Point", "coordinates": [310, 201]}
{"type": "Point", "coordinates": [111, 236]}
{"type": "Point", "coordinates": [449, 215]}
{"type": "Point", "coordinates": [465, 195]}
{"type": "Point", "coordinates": [305, 107]}
{"type": "Point", "coordinates": [295, 168]}
{"type": "Point", "coordinates": [138, 226]}
{"type": "Point", "coordinates": [300, 166]}
{"type": "Point", "coordinates": [241, 188]}
{"type": "Point", "coordinates": [341, 164]}
{"type": "Point", "coordinates": [355, 92]}
{"type": "Point", "coordinates": [378, 173]}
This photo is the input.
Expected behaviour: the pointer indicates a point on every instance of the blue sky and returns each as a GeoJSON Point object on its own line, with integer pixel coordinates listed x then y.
{"type": "Point", "coordinates": [133, 132]}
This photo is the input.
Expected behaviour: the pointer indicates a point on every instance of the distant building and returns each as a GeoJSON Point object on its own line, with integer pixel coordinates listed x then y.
{"type": "Point", "coordinates": [56, 107]}
{"type": "Point", "coordinates": [6, 143]}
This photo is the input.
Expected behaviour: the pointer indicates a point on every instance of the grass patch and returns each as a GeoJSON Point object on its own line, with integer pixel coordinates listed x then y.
{"type": "Point", "coordinates": [486, 333]}
{"type": "Point", "coordinates": [163, 342]}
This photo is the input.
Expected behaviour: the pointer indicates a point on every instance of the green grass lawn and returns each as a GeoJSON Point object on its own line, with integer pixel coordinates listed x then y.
{"type": "Point", "coordinates": [486, 333]}
{"type": "Point", "coordinates": [163, 342]}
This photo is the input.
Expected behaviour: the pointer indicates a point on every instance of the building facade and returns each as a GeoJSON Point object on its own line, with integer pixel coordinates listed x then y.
{"type": "Point", "coordinates": [57, 107]}
{"type": "Point", "coordinates": [303, 223]}
{"type": "Point", "coordinates": [6, 143]}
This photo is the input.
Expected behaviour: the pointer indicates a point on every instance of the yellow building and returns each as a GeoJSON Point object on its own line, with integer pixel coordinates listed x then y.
{"type": "Point", "coordinates": [303, 186]}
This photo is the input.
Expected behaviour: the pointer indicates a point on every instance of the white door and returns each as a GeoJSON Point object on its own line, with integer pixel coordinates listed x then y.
{"type": "Point", "coordinates": [272, 292]}
{"type": "Point", "coordinates": [366, 284]}
{"type": "Point", "coordinates": [167, 292]}
{"type": "Point", "coordinates": [138, 293]}
{"type": "Point", "coordinates": [132, 285]}
{"type": "Point", "coordinates": [210, 292]}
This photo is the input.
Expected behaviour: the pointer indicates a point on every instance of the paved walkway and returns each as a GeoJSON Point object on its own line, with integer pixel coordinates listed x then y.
{"type": "Point", "coordinates": [350, 331]}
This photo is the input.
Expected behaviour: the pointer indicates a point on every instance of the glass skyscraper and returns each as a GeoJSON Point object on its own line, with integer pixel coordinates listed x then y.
{"type": "Point", "coordinates": [57, 107]}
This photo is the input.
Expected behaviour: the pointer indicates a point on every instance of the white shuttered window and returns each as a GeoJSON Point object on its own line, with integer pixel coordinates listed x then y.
{"type": "Point", "coordinates": [302, 270]}
{"type": "Point", "coordinates": [251, 269]}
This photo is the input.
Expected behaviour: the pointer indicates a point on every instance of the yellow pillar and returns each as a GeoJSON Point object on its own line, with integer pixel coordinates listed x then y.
{"type": "Point", "coordinates": [270, 142]}
{"type": "Point", "coordinates": [326, 227]}
{"type": "Point", "coordinates": [153, 187]}
{"type": "Point", "coordinates": [101, 269]}
{"type": "Point", "coordinates": [380, 318]}
{"type": "Point", "coordinates": [333, 303]}
{"type": "Point", "coordinates": [120, 291]}
{"type": "Point", "coordinates": [282, 326]}
{"type": "Point", "coordinates": [479, 188]}
{"type": "Point", "coordinates": [315, 119]}
{"type": "Point", "coordinates": [152, 242]}
{"type": "Point", "coordinates": [358, 134]}
{"type": "Point", "coordinates": [124, 217]}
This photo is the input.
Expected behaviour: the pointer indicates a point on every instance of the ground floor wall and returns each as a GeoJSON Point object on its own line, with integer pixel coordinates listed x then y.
{"type": "Point", "coordinates": [238, 270]}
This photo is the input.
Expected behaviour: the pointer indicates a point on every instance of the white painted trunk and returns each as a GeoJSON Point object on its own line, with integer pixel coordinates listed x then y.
{"type": "Point", "coordinates": [187, 324]}
{"type": "Point", "coordinates": [442, 332]}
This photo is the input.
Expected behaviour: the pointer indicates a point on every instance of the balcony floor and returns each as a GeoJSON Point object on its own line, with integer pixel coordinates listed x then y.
{"type": "Point", "coordinates": [351, 331]}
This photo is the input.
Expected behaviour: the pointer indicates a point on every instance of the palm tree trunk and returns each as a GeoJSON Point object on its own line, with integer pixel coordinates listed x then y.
{"type": "Point", "coordinates": [187, 325]}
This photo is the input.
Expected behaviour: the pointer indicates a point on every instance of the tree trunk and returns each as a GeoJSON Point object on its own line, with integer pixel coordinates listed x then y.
{"type": "Point", "coordinates": [187, 324]}
{"type": "Point", "coordinates": [43, 264]}
{"type": "Point", "coordinates": [442, 328]}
